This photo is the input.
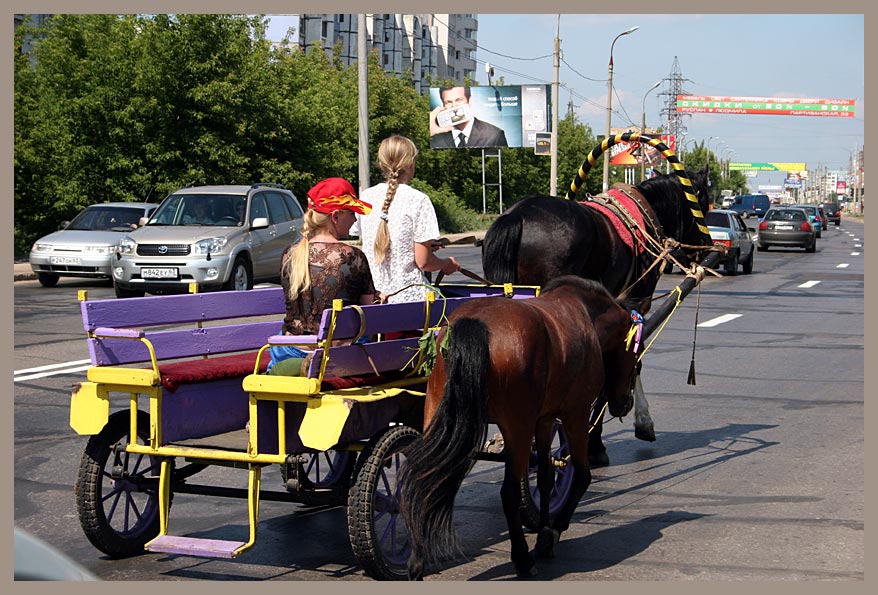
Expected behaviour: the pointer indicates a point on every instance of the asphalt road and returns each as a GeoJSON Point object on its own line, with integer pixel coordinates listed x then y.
{"type": "Point", "coordinates": [757, 472]}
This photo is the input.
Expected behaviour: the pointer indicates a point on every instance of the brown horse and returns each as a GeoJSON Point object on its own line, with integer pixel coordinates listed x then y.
{"type": "Point", "coordinates": [521, 364]}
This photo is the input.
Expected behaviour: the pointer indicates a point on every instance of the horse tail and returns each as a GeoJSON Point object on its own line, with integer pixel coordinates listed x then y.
{"type": "Point", "coordinates": [500, 249]}
{"type": "Point", "coordinates": [437, 464]}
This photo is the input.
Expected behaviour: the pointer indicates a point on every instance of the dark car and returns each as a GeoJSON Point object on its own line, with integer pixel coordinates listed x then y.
{"type": "Point", "coordinates": [823, 220]}
{"type": "Point", "coordinates": [729, 230]}
{"type": "Point", "coordinates": [787, 227]}
{"type": "Point", "coordinates": [751, 204]}
{"type": "Point", "coordinates": [833, 212]}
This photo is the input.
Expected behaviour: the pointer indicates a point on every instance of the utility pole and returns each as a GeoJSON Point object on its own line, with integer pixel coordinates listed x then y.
{"type": "Point", "coordinates": [363, 101]}
{"type": "Point", "coordinates": [553, 168]}
{"type": "Point", "coordinates": [676, 126]}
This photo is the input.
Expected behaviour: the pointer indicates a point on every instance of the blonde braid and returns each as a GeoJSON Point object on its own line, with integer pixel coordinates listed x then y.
{"type": "Point", "coordinates": [395, 154]}
{"type": "Point", "coordinates": [382, 237]}
{"type": "Point", "coordinates": [298, 264]}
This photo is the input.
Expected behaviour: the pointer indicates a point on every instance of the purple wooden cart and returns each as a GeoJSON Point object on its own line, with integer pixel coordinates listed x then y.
{"type": "Point", "coordinates": [336, 432]}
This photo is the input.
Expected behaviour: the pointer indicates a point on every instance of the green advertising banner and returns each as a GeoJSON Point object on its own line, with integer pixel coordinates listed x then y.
{"type": "Point", "coordinates": [777, 106]}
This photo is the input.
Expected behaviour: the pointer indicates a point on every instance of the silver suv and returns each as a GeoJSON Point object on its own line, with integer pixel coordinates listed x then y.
{"type": "Point", "coordinates": [219, 237]}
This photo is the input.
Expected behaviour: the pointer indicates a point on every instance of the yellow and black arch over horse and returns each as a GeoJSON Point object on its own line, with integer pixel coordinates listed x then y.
{"type": "Point", "coordinates": [666, 152]}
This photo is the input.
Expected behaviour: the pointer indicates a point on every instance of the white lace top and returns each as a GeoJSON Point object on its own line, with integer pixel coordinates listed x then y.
{"type": "Point", "coordinates": [411, 219]}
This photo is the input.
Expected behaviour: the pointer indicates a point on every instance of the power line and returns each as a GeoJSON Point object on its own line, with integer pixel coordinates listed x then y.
{"type": "Point", "coordinates": [582, 75]}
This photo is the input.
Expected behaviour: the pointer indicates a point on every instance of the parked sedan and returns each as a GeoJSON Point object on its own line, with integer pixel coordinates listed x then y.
{"type": "Point", "coordinates": [729, 230]}
{"type": "Point", "coordinates": [84, 247]}
{"type": "Point", "coordinates": [786, 226]}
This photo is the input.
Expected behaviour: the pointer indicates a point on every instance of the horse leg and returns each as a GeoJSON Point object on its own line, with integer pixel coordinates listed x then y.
{"type": "Point", "coordinates": [577, 441]}
{"type": "Point", "coordinates": [510, 496]}
{"type": "Point", "coordinates": [546, 538]}
{"type": "Point", "coordinates": [643, 428]}
{"type": "Point", "coordinates": [597, 452]}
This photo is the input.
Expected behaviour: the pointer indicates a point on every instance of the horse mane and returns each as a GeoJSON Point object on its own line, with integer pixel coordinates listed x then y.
{"type": "Point", "coordinates": [575, 280]}
{"type": "Point", "coordinates": [665, 194]}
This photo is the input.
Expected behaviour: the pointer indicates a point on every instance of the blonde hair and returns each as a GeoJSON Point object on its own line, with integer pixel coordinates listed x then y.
{"type": "Point", "coordinates": [298, 266]}
{"type": "Point", "coordinates": [396, 154]}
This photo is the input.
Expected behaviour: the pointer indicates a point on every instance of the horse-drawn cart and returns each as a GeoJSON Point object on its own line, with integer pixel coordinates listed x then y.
{"type": "Point", "coordinates": [335, 431]}
{"type": "Point", "coordinates": [203, 400]}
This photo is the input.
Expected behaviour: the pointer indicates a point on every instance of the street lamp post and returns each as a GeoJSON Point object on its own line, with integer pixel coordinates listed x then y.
{"type": "Point", "coordinates": [643, 131]}
{"type": "Point", "coordinates": [727, 153]}
{"type": "Point", "coordinates": [708, 147]}
{"type": "Point", "coordinates": [606, 181]}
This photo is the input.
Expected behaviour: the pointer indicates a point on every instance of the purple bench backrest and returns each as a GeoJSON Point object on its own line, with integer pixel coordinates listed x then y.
{"type": "Point", "coordinates": [152, 313]}
{"type": "Point", "coordinates": [358, 360]}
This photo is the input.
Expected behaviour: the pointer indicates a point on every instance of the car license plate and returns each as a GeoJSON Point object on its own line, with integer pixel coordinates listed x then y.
{"type": "Point", "coordinates": [65, 260]}
{"type": "Point", "coordinates": [784, 227]}
{"type": "Point", "coordinates": [159, 273]}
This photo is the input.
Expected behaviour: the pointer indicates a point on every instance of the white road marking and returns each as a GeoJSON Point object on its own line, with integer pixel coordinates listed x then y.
{"type": "Point", "coordinates": [53, 367]}
{"type": "Point", "coordinates": [808, 284]}
{"type": "Point", "coordinates": [858, 245]}
{"type": "Point", "coordinates": [720, 320]}
{"type": "Point", "coordinates": [855, 253]}
{"type": "Point", "coordinates": [843, 265]}
{"type": "Point", "coordinates": [51, 373]}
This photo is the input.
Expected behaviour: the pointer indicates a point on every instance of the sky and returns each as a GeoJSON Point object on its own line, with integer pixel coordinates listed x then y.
{"type": "Point", "coordinates": [742, 55]}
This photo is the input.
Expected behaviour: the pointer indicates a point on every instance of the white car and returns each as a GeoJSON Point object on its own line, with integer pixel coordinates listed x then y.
{"type": "Point", "coordinates": [217, 237]}
{"type": "Point", "coordinates": [85, 246]}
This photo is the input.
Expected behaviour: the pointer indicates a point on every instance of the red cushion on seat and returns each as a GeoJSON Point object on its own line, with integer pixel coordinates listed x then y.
{"type": "Point", "coordinates": [213, 368]}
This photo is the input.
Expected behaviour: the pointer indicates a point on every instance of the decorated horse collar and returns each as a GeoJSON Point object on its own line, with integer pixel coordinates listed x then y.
{"type": "Point", "coordinates": [643, 206]}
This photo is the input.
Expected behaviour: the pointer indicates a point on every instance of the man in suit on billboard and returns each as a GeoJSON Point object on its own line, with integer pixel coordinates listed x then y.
{"type": "Point", "coordinates": [452, 125]}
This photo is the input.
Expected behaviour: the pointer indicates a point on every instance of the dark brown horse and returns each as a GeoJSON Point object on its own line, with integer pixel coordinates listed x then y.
{"type": "Point", "coordinates": [542, 237]}
{"type": "Point", "coordinates": [522, 364]}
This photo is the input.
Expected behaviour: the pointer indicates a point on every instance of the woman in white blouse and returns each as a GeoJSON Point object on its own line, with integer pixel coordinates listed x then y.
{"type": "Point", "coordinates": [398, 237]}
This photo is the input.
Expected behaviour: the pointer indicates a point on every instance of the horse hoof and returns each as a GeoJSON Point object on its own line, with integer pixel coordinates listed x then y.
{"type": "Point", "coordinates": [598, 459]}
{"type": "Point", "coordinates": [528, 572]}
{"type": "Point", "coordinates": [546, 540]}
{"type": "Point", "coordinates": [644, 433]}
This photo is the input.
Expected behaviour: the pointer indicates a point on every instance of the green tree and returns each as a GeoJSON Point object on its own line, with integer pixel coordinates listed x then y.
{"type": "Point", "coordinates": [124, 107]}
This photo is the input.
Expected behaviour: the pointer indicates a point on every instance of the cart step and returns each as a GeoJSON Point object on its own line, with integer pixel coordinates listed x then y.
{"type": "Point", "coordinates": [195, 546]}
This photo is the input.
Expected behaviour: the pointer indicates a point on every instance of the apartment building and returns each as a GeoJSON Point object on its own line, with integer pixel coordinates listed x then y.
{"type": "Point", "coordinates": [431, 46]}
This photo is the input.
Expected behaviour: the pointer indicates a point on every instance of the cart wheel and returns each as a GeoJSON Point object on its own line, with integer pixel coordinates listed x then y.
{"type": "Point", "coordinates": [117, 492]}
{"type": "Point", "coordinates": [378, 535]}
{"type": "Point", "coordinates": [530, 495]}
{"type": "Point", "coordinates": [321, 478]}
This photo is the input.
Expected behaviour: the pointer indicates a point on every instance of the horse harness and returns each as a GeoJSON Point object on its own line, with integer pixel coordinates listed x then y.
{"type": "Point", "coordinates": [654, 232]}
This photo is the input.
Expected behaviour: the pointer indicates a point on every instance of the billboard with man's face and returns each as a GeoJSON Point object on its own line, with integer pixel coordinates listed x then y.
{"type": "Point", "coordinates": [488, 117]}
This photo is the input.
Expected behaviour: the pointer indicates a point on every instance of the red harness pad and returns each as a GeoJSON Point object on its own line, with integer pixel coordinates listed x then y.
{"type": "Point", "coordinates": [621, 228]}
